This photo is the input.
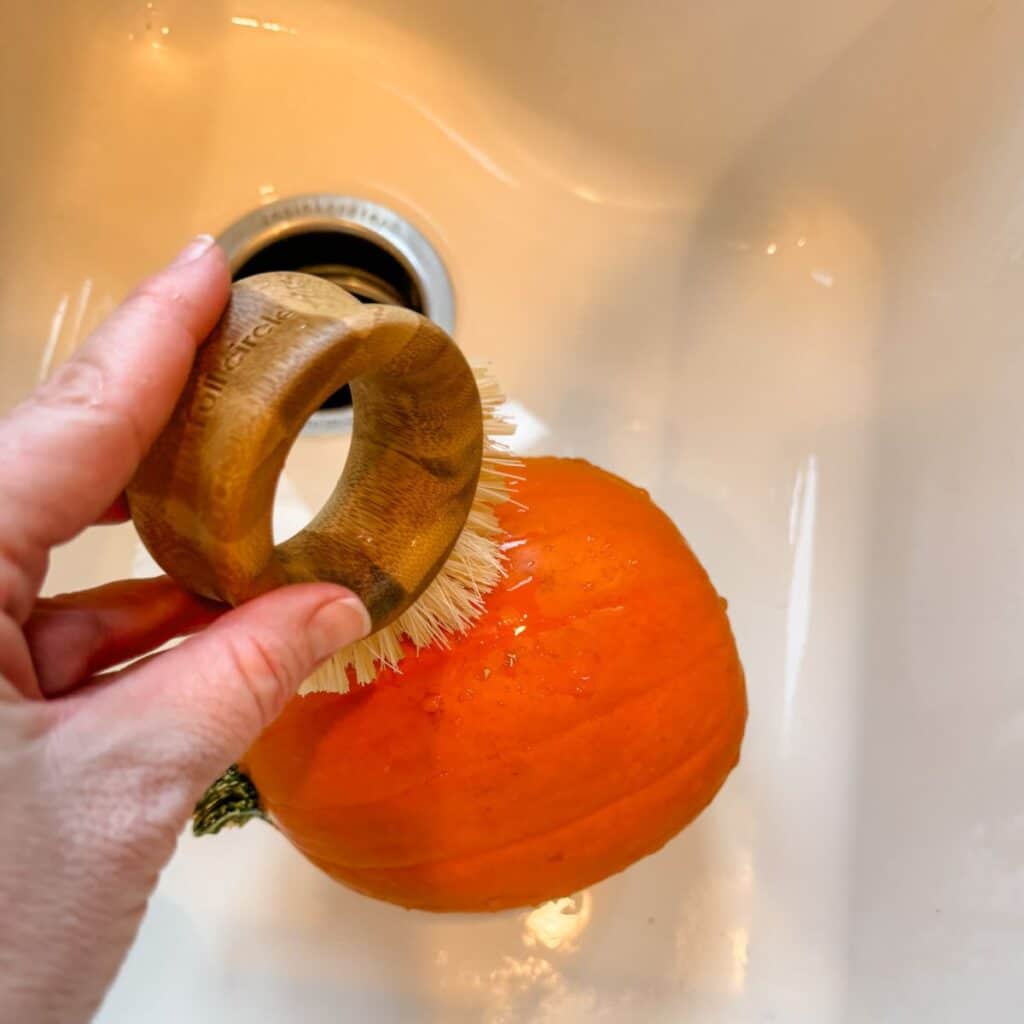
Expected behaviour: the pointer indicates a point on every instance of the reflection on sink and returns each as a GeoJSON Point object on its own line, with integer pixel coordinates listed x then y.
{"type": "Point", "coordinates": [762, 259]}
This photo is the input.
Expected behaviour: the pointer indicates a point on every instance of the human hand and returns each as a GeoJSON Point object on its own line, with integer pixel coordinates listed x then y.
{"type": "Point", "coordinates": [100, 772]}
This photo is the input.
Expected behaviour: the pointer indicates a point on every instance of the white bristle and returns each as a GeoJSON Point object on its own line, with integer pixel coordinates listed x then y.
{"type": "Point", "coordinates": [455, 598]}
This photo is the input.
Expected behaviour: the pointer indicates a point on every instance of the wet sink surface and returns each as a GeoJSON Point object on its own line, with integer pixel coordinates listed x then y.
{"type": "Point", "coordinates": [764, 263]}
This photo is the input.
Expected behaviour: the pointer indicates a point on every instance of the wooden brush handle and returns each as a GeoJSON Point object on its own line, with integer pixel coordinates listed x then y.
{"type": "Point", "coordinates": [202, 498]}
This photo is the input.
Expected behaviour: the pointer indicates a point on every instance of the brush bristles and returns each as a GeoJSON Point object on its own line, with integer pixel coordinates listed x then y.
{"type": "Point", "coordinates": [455, 598]}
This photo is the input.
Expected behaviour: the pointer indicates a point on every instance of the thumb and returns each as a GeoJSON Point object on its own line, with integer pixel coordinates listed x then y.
{"type": "Point", "coordinates": [228, 683]}
{"type": "Point", "coordinates": [176, 721]}
{"type": "Point", "coordinates": [107, 777]}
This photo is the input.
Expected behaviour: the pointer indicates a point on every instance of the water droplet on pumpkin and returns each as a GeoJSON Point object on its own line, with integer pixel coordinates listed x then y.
{"type": "Point", "coordinates": [510, 659]}
{"type": "Point", "coordinates": [433, 703]}
{"type": "Point", "coordinates": [589, 585]}
{"type": "Point", "coordinates": [467, 694]}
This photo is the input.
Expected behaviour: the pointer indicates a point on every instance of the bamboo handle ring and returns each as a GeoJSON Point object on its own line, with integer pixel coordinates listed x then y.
{"type": "Point", "coordinates": [202, 498]}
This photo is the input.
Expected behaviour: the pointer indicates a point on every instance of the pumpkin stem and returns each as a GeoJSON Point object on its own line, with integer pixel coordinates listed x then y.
{"type": "Point", "coordinates": [230, 802]}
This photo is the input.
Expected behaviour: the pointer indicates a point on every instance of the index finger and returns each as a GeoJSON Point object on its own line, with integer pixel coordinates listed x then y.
{"type": "Point", "coordinates": [68, 451]}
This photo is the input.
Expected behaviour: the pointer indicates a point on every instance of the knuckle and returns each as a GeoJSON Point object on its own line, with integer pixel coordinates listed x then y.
{"type": "Point", "coordinates": [85, 385]}
{"type": "Point", "coordinates": [154, 303]}
{"type": "Point", "coordinates": [81, 382]}
{"type": "Point", "coordinates": [152, 297]}
{"type": "Point", "coordinates": [269, 672]}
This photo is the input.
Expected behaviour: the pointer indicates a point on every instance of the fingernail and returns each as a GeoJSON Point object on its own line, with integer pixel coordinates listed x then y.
{"type": "Point", "coordinates": [194, 249]}
{"type": "Point", "coordinates": [338, 624]}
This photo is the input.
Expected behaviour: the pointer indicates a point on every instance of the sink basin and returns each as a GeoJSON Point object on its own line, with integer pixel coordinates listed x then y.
{"type": "Point", "coordinates": [763, 260]}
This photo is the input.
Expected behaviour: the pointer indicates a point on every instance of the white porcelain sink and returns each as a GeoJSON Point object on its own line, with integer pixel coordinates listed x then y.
{"type": "Point", "coordinates": [764, 260]}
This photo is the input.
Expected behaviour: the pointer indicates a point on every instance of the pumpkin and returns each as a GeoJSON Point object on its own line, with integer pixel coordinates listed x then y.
{"type": "Point", "coordinates": [594, 710]}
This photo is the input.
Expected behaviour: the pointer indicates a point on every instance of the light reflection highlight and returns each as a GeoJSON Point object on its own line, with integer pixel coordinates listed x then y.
{"type": "Point", "coordinates": [267, 26]}
{"type": "Point", "coordinates": [452, 134]}
{"type": "Point", "coordinates": [56, 325]}
{"type": "Point", "coordinates": [739, 940]}
{"type": "Point", "coordinates": [558, 924]}
{"type": "Point", "coordinates": [64, 335]}
{"type": "Point", "coordinates": [530, 429]}
{"type": "Point", "coordinates": [802, 513]}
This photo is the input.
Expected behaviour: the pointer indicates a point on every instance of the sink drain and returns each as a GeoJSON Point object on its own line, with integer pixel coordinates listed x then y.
{"type": "Point", "coordinates": [366, 248]}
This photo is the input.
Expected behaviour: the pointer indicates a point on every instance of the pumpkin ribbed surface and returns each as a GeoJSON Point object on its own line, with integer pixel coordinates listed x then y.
{"type": "Point", "coordinates": [592, 712]}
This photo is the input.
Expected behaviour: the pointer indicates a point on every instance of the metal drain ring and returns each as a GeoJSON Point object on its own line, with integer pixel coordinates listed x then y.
{"type": "Point", "coordinates": [347, 215]}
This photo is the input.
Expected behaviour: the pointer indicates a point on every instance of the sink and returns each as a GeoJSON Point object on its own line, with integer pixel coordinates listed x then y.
{"type": "Point", "coordinates": [764, 261]}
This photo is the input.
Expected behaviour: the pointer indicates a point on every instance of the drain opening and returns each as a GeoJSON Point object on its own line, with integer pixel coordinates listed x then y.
{"type": "Point", "coordinates": [359, 265]}
{"type": "Point", "coordinates": [365, 248]}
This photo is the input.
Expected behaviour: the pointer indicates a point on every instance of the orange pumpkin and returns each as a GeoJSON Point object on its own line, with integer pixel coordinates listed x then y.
{"type": "Point", "coordinates": [592, 713]}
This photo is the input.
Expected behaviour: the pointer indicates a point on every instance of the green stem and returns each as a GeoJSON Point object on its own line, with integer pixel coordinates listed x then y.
{"type": "Point", "coordinates": [229, 803]}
